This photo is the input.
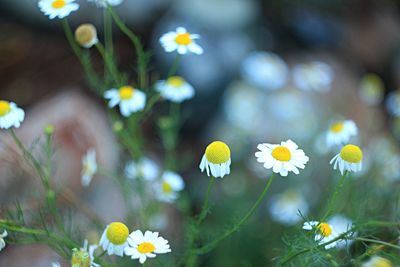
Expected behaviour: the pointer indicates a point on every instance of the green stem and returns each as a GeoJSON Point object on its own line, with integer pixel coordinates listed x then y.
{"type": "Point", "coordinates": [208, 247]}
{"type": "Point", "coordinates": [174, 66]}
{"type": "Point", "coordinates": [376, 242]}
{"type": "Point", "coordinates": [204, 209]}
{"type": "Point", "coordinates": [332, 200]}
{"type": "Point", "coordinates": [108, 61]}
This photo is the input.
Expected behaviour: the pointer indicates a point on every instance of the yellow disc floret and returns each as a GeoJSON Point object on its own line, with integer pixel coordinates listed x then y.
{"type": "Point", "coordinates": [337, 127]}
{"type": "Point", "coordinates": [183, 39]}
{"type": "Point", "coordinates": [351, 153]}
{"type": "Point", "coordinates": [117, 233]}
{"type": "Point", "coordinates": [146, 247]}
{"type": "Point", "coordinates": [325, 229]}
{"type": "Point", "coordinates": [126, 92]}
{"type": "Point", "coordinates": [80, 258]}
{"type": "Point", "coordinates": [166, 187]}
{"type": "Point", "coordinates": [175, 81]}
{"type": "Point", "coordinates": [218, 152]}
{"type": "Point", "coordinates": [5, 107]}
{"type": "Point", "coordinates": [85, 34]}
{"type": "Point", "coordinates": [381, 262]}
{"type": "Point", "coordinates": [281, 153]}
{"type": "Point", "coordinates": [58, 3]}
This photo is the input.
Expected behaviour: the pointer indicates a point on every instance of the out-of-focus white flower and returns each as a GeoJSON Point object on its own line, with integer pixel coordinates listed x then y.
{"type": "Point", "coordinates": [144, 168]}
{"type": "Point", "coordinates": [86, 35]}
{"type": "Point", "coordinates": [371, 89]}
{"type": "Point", "coordinates": [104, 3]}
{"type": "Point", "coordinates": [377, 261]}
{"type": "Point", "coordinates": [313, 76]}
{"type": "Point", "coordinates": [84, 256]}
{"type": "Point", "coordinates": [10, 115]}
{"type": "Point", "coordinates": [349, 159]}
{"type": "Point", "coordinates": [324, 232]}
{"type": "Point", "coordinates": [265, 70]}
{"type": "Point", "coordinates": [282, 158]}
{"type": "Point", "coordinates": [341, 224]}
{"type": "Point", "coordinates": [55, 264]}
{"type": "Point", "coordinates": [129, 99]}
{"type": "Point", "coordinates": [340, 133]}
{"type": "Point", "coordinates": [175, 89]}
{"type": "Point", "coordinates": [147, 245]}
{"type": "Point", "coordinates": [57, 8]}
{"type": "Point", "coordinates": [158, 221]}
{"type": "Point", "coordinates": [285, 207]}
{"type": "Point", "coordinates": [168, 188]}
{"type": "Point", "coordinates": [393, 103]}
{"type": "Point", "coordinates": [89, 167]}
{"type": "Point", "coordinates": [181, 41]}
{"type": "Point", "coordinates": [115, 238]}
{"type": "Point", "coordinates": [216, 159]}
{"type": "Point", "coordinates": [2, 242]}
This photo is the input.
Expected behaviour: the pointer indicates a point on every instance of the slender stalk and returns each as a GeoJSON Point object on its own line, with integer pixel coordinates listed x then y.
{"type": "Point", "coordinates": [174, 66]}
{"type": "Point", "coordinates": [332, 200]}
{"type": "Point", "coordinates": [109, 63]}
{"type": "Point", "coordinates": [208, 247]}
{"type": "Point", "coordinates": [376, 242]}
{"type": "Point", "coordinates": [204, 209]}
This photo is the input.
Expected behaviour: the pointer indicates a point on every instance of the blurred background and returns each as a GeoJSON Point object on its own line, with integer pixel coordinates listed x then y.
{"type": "Point", "coordinates": [271, 70]}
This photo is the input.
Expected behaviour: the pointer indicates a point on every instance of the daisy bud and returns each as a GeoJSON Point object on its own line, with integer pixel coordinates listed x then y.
{"type": "Point", "coordinates": [86, 35]}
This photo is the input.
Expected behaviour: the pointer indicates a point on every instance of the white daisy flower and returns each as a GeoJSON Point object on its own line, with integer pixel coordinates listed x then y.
{"type": "Point", "coordinates": [216, 159]}
{"type": "Point", "coordinates": [265, 70]}
{"type": "Point", "coordinates": [55, 264]}
{"type": "Point", "coordinates": [341, 224]}
{"type": "Point", "coordinates": [285, 207]}
{"type": "Point", "coordinates": [115, 238]}
{"type": "Point", "coordinates": [144, 168]}
{"type": "Point", "coordinates": [393, 103]}
{"type": "Point", "coordinates": [313, 76]}
{"type": "Point", "coordinates": [2, 242]}
{"type": "Point", "coordinates": [168, 188]}
{"type": "Point", "coordinates": [84, 256]}
{"type": "Point", "coordinates": [57, 8]}
{"type": "Point", "coordinates": [175, 89]}
{"type": "Point", "coordinates": [104, 3]}
{"type": "Point", "coordinates": [182, 41]}
{"type": "Point", "coordinates": [324, 232]}
{"type": "Point", "coordinates": [340, 133]}
{"type": "Point", "coordinates": [377, 261]}
{"type": "Point", "coordinates": [86, 35]}
{"type": "Point", "coordinates": [371, 89]}
{"type": "Point", "coordinates": [10, 115]}
{"type": "Point", "coordinates": [89, 167]}
{"type": "Point", "coordinates": [129, 99]}
{"type": "Point", "coordinates": [282, 158]}
{"type": "Point", "coordinates": [146, 246]}
{"type": "Point", "coordinates": [349, 159]}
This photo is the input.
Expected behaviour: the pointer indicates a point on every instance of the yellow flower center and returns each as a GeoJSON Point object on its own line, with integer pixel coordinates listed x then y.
{"type": "Point", "coordinates": [146, 247]}
{"type": "Point", "coordinates": [337, 127]}
{"type": "Point", "coordinates": [166, 187]}
{"type": "Point", "coordinates": [175, 81]}
{"type": "Point", "coordinates": [80, 259]}
{"type": "Point", "coordinates": [117, 233]}
{"type": "Point", "coordinates": [218, 152]}
{"type": "Point", "coordinates": [58, 4]}
{"type": "Point", "coordinates": [281, 153]}
{"type": "Point", "coordinates": [351, 153]}
{"type": "Point", "coordinates": [5, 107]}
{"type": "Point", "coordinates": [325, 229]}
{"type": "Point", "coordinates": [126, 92]}
{"type": "Point", "coordinates": [183, 38]}
{"type": "Point", "coordinates": [85, 34]}
{"type": "Point", "coordinates": [381, 262]}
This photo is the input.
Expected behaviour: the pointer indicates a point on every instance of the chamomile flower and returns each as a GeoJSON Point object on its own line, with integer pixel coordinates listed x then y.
{"type": "Point", "coordinates": [115, 238]}
{"type": "Point", "coordinates": [144, 168]}
{"type": "Point", "coordinates": [86, 35]}
{"type": "Point", "coordinates": [2, 242]}
{"type": "Point", "coordinates": [182, 41]}
{"type": "Point", "coordinates": [129, 99]}
{"type": "Point", "coordinates": [371, 89]}
{"type": "Point", "coordinates": [340, 132]}
{"type": "Point", "coordinates": [265, 70]}
{"type": "Point", "coordinates": [10, 115]}
{"type": "Point", "coordinates": [57, 8]}
{"type": "Point", "coordinates": [282, 158]}
{"type": "Point", "coordinates": [285, 207]}
{"type": "Point", "coordinates": [168, 188]}
{"type": "Point", "coordinates": [84, 257]}
{"type": "Point", "coordinates": [324, 232]}
{"type": "Point", "coordinates": [147, 245]}
{"type": "Point", "coordinates": [313, 76]}
{"type": "Point", "coordinates": [89, 167]}
{"type": "Point", "coordinates": [104, 3]}
{"type": "Point", "coordinates": [216, 159]}
{"type": "Point", "coordinates": [349, 159]}
{"type": "Point", "coordinates": [175, 89]}
{"type": "Point", "coordinates": [341, 224]}
{"type": "Point", "coordinates": [377, 261]}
